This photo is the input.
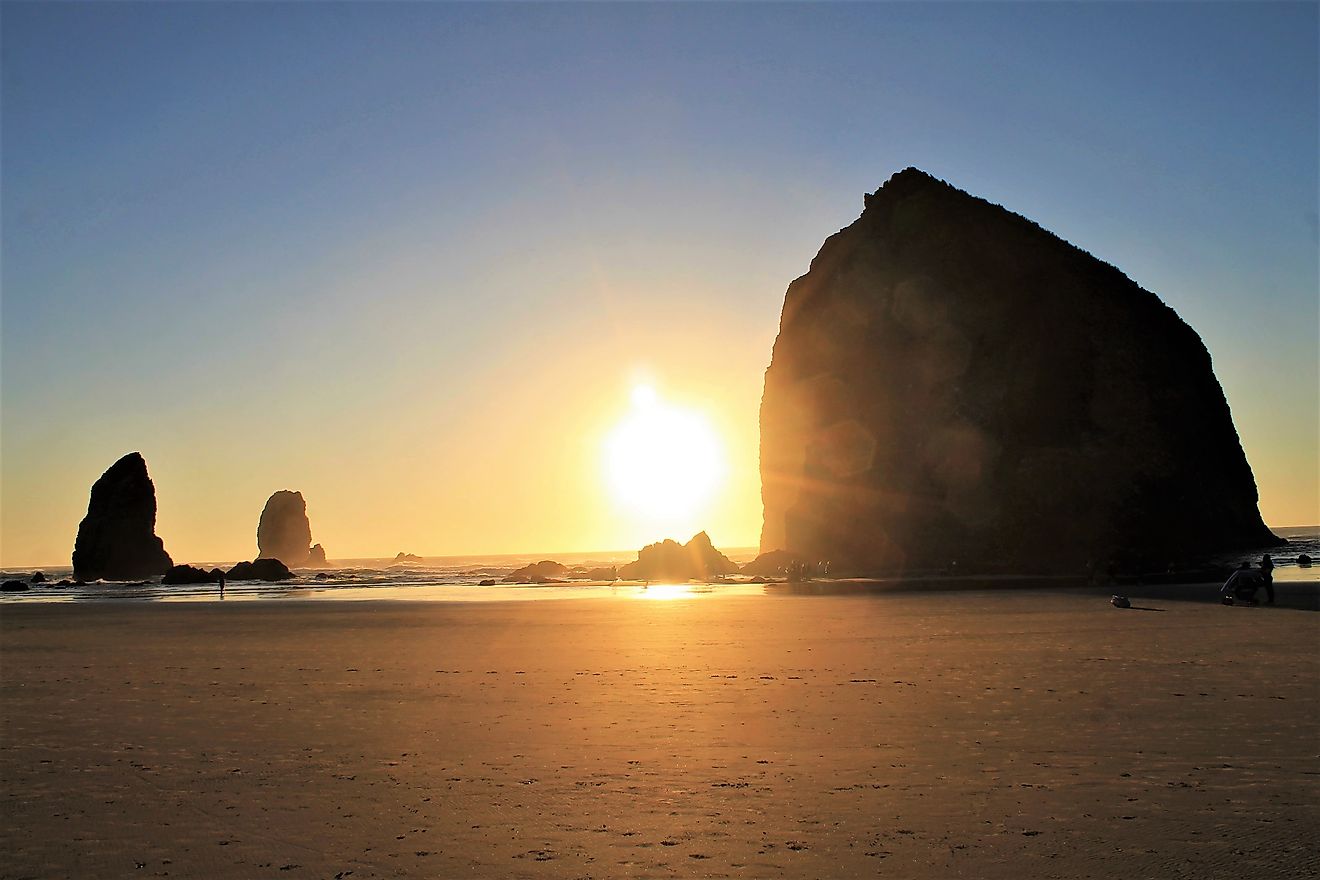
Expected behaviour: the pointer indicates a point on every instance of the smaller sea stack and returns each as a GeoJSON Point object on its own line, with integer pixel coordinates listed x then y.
{"type": "Point", "coordinates": [284, 532]}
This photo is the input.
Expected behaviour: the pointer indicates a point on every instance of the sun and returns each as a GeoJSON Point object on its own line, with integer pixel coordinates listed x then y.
{"type": "Point", "coordinates": [663, 461]}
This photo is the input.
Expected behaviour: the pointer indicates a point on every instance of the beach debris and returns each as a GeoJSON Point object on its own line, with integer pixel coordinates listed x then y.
{"type": "Point", "coordinates": [117, 538]}
{"type": "Point", "coordinates": [1120, 602]}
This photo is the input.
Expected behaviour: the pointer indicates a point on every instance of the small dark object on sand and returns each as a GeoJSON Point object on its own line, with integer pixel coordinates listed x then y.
{"type": "Point", "coordinates": [13, 587]}
{"type": "Point", "coordinates": [1304, 560]}
{"type": "Point", "coordinates": [1120, 602]}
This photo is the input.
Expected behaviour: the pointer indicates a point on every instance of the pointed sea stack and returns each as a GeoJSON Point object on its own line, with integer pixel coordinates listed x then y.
{"type": "Point", "coordinates": [953, 384]}
{"type": "Point", "coordinates": [117, 538]}
{"type": "Point", "coordinates": [284, 532]}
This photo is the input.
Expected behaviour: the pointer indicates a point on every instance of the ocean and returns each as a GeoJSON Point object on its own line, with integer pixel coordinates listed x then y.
{"type": "Point", "coordinates": [458, 578]}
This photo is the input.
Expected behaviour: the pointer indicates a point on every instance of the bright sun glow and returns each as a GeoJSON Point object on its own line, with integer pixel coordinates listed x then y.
{"type": "Point", "coordinates": [663, 461]}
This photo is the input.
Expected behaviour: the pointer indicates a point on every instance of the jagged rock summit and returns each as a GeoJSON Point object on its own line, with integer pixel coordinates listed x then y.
{"type": "Point", "coordinates": [954, 384]}
{"type": "Point", "coordinates": [284, 532]}
{"type": "Point", "coordinates": [117, 538]}
{"type": "Point", "coordinates": [670, 560]}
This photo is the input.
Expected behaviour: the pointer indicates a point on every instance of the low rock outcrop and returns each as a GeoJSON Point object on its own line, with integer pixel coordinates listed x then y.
{"type": "Point", "coordinates": [953, 384]}
{"type": "Point", "coordinates": [259, 570]}
{"type": "Point", "coordinates": [188, 574]}
{"type": "Point", "coordinates": [772, 562]}
{"type": "Point", "coordinates": [285, 533]}
{"type": "Point", "coordinates": [669, 560]}
{"type": "Point", "coordinates": [14, 587]}
{"type": "Point", "coordinates": [537, 572]}
{"type": "Point", "coordinates": [400, 558]}
{"type": "Point", "coordinates": [117, 538]}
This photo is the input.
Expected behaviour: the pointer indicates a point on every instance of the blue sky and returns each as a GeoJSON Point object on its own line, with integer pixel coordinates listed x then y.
{"type": "Point", "coordinates": [335, 246]}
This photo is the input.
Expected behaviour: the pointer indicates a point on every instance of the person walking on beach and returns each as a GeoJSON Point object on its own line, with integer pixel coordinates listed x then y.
{"type": "Point", "coordinates": [222, 586]}
{"type": "Point", "coordinates": [1267, 576]}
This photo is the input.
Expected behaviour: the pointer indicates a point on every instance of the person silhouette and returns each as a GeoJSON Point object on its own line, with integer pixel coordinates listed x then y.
{"type": "Point", "coordinates": [1267, 577]}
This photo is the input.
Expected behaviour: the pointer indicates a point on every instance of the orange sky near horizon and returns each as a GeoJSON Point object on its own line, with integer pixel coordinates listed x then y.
{"type": "Point", "coordinates": [411, 259]}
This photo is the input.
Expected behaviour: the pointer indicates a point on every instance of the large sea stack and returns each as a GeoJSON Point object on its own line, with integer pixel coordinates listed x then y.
{"type": "Point", "coordinates": [117, 538]}
{"type": "Point", "coordinates": [284, 532]}
{"type": "Point", "coordinates": [952, 384]}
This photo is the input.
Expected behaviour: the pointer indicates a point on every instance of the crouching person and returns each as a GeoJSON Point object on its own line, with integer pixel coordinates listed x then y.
{"type": "Point", "coordinates": [1242, 585]}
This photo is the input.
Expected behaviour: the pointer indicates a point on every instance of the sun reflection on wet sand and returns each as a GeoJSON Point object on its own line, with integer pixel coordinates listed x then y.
{"type": "Point", "coordinates": [673, 591]}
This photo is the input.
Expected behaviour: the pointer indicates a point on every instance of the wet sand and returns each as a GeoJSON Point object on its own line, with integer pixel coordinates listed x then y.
{"type": "Point", "coordinates": [1014, 734]}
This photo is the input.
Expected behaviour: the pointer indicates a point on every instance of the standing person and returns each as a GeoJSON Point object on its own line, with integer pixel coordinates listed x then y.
{"type": "Point", "coordinates": [1267, 575]}
{"type": "Point", "coordinates": [222, 586]}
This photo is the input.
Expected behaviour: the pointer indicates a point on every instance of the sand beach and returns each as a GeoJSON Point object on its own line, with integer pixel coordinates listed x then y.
{"type": "Point", "coordinates": [1022, 733]}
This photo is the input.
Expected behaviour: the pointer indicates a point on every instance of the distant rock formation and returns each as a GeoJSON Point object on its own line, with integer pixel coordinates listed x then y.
{"type": "Point", "coordinates": [603, 573]}
{"type": "Point", "coordinates": [117, 538]}
{"type": "Point", "coordinates": [537, 572]}
{"type": "Point", "coordinates": [13, 587]}
{"type": "Point", "coordinates": [402, 557]}
{"type": "Point", "coordinates": [952, 383]}
{"type": "Point", "coordinates": [187, 574]}
{"type": "Point", "coordinates": [259, 570]}
{"type": "Point", "coordinates": [38, 577]}
{"type": "Point", "coordinates": [284, 532]}
{"type": "Point", "coordinates": [669, 560]}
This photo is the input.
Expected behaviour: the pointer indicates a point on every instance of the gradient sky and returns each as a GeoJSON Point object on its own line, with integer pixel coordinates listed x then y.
{"type": "Point", "coordinates": [411, 259]}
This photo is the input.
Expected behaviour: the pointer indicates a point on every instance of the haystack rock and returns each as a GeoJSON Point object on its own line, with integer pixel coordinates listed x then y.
{"type": "Point", "coordinates": [953, 384]}
{"type": "Point", "coordinates": [284, 532]}
{"type": "Point", "coordinates": [117, 538]}
{"type": "Point", "coordinates": [670, 560]}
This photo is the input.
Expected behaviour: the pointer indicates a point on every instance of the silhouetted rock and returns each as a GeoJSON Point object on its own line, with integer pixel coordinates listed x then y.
{"type": "Point", "coordinates": [605, 573]}
{"type": "Point", "coordinates": [1304, 560]}
{"type": "Point", "coordinates": [259, 570]}
{"type": "Point", "coordinates": [772, 562]}
{"type": "Point", "coordinates": [117, 538]}
{"type": "Point", "coordinates": [953, 383]}
{"type": "Point", "coordinates": [670, 560]}
{"type": "Point", "coordinates": [284, 533]}
{"type": "Point", "coordinates": [537, 572]}
{"type": "Point", "coordinates": [13, 587]}
{"type": "Point", "coordinates": [187, 574]}
{"type": "Point", "coordinates": [402, 557]}
{"type": "Point", "coordinates": [488, 582]}
{"type": "Point", "coordinates": [38, 577]}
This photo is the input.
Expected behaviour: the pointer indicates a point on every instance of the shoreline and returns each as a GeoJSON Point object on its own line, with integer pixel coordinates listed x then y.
{"type": "Point", "coordinates": [996, 734]}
